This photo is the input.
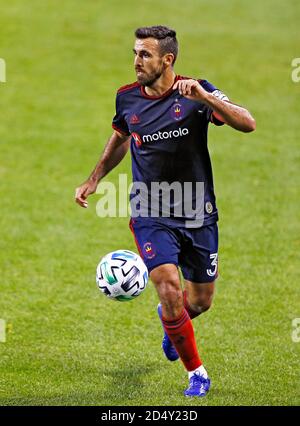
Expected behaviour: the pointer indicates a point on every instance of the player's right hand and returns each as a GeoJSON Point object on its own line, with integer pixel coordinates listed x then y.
{"type": "Point", "coordinates": [83, 191]}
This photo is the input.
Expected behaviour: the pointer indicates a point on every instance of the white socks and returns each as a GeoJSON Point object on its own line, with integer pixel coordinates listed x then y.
{"type": "Point", "coordinates": [200, 370]}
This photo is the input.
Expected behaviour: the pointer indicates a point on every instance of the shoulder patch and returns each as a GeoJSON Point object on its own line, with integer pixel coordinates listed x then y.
{"type": "Point", "coordinates": [128, 87]}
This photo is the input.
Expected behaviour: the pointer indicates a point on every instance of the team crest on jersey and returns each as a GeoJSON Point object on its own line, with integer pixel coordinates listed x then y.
{"type": "Point", "coordinates": [148, 250]}
{"type": "Point", "coordinates": [137, 139]}
{"type": "Point", "coordinates": [134, 119]}
{"type": "Point", "coordinates": [209, 207]}
{"type": "Point", "coordinates": [177, 111]}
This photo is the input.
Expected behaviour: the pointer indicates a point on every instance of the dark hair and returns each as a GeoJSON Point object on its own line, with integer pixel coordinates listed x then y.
{"type": "Point", "coordinates": [167, 38]}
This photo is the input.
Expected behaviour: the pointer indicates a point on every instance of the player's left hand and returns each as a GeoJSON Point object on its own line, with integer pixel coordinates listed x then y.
{"type": "Point", "coordinates": [191, 89]}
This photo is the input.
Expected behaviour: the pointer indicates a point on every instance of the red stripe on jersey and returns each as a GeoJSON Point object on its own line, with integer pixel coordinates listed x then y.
{"type": "Point", "coordinates": [216, 118]}
{"type": "Point", "coordinates": [128, 87]}
{"type": "Point", "coordinates": [136, 241]}
{"type": "Point", "coordinates": [119, 130]}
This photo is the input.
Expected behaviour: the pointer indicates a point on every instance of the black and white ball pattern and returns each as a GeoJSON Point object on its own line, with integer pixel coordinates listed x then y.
{"type": "Point", "coordinates": [122, 275]}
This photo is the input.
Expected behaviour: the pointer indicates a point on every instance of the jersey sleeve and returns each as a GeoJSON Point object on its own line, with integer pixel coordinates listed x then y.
{"type": "Point", "coordinates": [119, 123]}
{"type": "Point", "coordinates": [212, 116]}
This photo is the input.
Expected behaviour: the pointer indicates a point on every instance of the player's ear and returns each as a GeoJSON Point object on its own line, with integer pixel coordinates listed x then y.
{"type": "Point", "coordinates": [168, 59]}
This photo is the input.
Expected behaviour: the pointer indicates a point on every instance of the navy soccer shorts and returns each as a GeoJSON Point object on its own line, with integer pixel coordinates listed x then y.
{"type": "Point", "coordinates": [194, 250]}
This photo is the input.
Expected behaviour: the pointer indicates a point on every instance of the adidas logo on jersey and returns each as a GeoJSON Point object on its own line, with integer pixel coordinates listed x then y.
{"type": "Point", "coordinates": [134, 119]}
{"type": "Point", "coordinates": [166, 135]}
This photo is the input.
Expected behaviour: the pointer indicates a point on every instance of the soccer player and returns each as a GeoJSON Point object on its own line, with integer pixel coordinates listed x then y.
{"type": "Point", "coordinates": [164, 119]}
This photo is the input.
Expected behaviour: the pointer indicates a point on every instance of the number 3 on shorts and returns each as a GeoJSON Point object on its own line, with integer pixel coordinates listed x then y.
{"type": "Point", "coordinates": [214, 263]}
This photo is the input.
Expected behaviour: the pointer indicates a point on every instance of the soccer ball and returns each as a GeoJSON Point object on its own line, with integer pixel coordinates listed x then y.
{"type": "Point", "coordinates": [122, 275]}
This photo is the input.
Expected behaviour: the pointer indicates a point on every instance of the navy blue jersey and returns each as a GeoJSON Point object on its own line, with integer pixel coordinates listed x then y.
{"type": "Point", "coordinates": [169, 154]}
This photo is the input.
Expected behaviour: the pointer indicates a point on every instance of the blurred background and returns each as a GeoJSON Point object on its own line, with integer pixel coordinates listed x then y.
{"type": "Point", "coordinates": [66, 344]}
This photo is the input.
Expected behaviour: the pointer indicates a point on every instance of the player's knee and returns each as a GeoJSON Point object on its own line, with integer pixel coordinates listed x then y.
{"type": "Point", "coordinates": [202, 303]}
{"type": "Point", "coordinates": [167, 283]}
{"type": "Point", "coordinates": [201, 306]}
{"type": "Point", "coordinates": [170, 293]}
{"type": "Point", "coordinates": [171, 298]}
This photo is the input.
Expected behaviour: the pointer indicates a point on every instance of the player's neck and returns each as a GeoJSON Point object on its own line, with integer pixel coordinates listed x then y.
{"type": "Point", "coordinates": [161, 85]}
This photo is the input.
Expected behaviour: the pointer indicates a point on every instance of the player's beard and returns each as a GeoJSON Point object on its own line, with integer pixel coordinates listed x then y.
{"type": "Point", "coordinates": [150, 79]}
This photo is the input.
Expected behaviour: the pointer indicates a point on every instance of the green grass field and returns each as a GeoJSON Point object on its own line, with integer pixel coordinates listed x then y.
{"type": "Point", "coordinates": [66, 343]}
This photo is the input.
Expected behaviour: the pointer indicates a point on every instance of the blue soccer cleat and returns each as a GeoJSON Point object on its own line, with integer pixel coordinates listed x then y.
{"type": "Point", "coordinates": [199, 386]}
{"type": "Point", "coordinates": [167, 345]}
